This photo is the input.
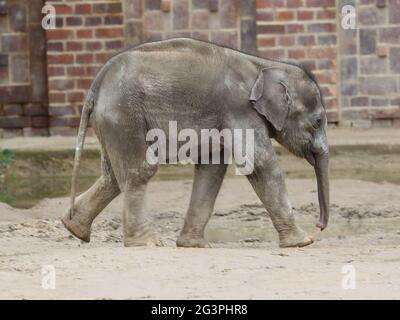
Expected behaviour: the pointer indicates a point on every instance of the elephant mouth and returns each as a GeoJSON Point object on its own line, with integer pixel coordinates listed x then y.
{"type": "Point", "coordinates": [310, 157]}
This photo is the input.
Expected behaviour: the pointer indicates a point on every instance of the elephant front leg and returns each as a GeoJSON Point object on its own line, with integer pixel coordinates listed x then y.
{"type": "Point", "coordinates": [206, 184]}
{"type": "Point", "coordinates": [268, 181]}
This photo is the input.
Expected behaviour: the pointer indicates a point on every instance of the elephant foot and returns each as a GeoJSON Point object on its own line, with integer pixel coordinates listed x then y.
{"type": "Point", "coordinates": [191, 242]}
{"type": "Point", "coordinates": [297, 238]}
{"type": "Point", "coordinates": [145, 236]}
{"type": "Point", "coordinates": [142, 242]}
{"type": "Point", "coordinates": [77, 229]}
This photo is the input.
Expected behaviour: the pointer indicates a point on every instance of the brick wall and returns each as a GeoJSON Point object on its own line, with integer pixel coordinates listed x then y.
{"type": "Point", "coordinates": [303, 31]}
{"type": "Point", "coordinates": [370, 65]}
{"type": "Point", "coordinates": [88, 33]}
{"type": "Point", "coordinates": [44, 76]}
{"type": "Point", "coordinates": [23, 94]}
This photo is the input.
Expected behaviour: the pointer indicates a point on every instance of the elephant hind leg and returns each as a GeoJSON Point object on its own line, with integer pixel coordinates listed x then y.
{"type": "Point", "coordinates": [138, 229]}
{"type": "Point", "coordinates": [92, 202]}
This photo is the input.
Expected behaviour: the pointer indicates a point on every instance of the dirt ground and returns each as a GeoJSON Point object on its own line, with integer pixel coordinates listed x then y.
{"type": "Point", "coordinates": [243, 263]}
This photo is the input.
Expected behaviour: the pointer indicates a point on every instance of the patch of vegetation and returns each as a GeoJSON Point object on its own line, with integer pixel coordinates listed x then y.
{"type": "Point", "coordinates": [6, 158]}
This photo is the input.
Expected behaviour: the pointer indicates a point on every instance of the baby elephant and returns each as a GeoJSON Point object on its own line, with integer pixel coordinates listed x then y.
{"type": "Point", "coordinates": [198, 85]}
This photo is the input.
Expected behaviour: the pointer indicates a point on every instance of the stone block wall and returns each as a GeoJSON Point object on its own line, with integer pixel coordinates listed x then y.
{"type": "Point", "coordinates": [370, 65]}
{"type": "Point", "coordinates": [23, 93]}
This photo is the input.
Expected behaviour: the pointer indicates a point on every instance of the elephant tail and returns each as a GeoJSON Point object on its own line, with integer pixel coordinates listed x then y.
{"type": "Point", "coordinates": [86, 111]}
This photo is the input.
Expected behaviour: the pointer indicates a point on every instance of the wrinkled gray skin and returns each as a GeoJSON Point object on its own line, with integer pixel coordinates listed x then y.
{"type": "Point", "coordinates": [200, 85]}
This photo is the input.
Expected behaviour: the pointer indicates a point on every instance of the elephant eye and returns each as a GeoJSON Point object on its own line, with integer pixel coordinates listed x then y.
{"type": "Point", "coordinates": [316, 123]}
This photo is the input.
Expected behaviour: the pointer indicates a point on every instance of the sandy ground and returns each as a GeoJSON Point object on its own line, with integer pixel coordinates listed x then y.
{"type": "Point", "coordinates": [243, 263]}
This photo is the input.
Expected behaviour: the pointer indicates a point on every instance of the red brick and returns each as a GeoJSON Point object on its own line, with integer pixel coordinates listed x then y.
{"type": "Point", "coordinates": [286, 41]}
{"type": "Point", "coordinates": [226, 38]}
{"type": "Point", "coordinates": [76, 96]}
{"type": "Point", "coordinates": [39, 122]}
{"type": "Point", "coordinates": [166, 5]}
{"type": "Point", "coordinates": [296, 53]}
{"type": "Point", "coordinates": [109, 32]}
{"type": "Point", "coordinates": [61, 84]}
{"type": "Point", "coordinates": [295, 3]}
{"type": "Point", "coordinates": [272, 53]}
{"type": "Point", "coordinates": [265, 16]}
{"type": "Point", "coordinates": [113, 20]}
{"type": "Point", "coordinates": [326, 14]}
{"type": "Point", "coordinates": [60, 59]}
{"type": "Point", "coordinates": [285, 15]}
{"type": "Point", "coordinates": [84, 58]}
{"type": "Point", "coordinates": [74, 46]}
{"type": "Point", "coordinates": [107, 7]}
{"type": "Point", "coordinates": [114, 45]}
{"type": "Point", "coordinates": [307, 40]}
{"type": "Point", "coordinates": [75, 71]}
{"type": "Point", "coordinates": [63, 9]}
{"type": "Point", "coordinates": [55, 71]}
{"type": "Point", "coordinates": [320, 3]}
{"type": "Point", "coordinates": [271, 28]}
{"type": "Point", "coordinates": [83, 8]}
{"type": "Point", "coordinates": [34, 109]}
{"type": "Point", "coordinates": [91, 70]}
{"type": "Point", "coordinates": [331, 103]}
{"type": "Point", "coordinates": [321, 27]}
{"type": "Point", "coordinates": [12, 110]}
{"type": "Point", "coordinates": [94, 45]}
{"type": "Point", "coordinates": [326, 78]}
{"type": "Point", "coordinates": [93, 21]}
{"type": "Point", "coordinates": [56, 97]}
{"type": "Point", "coordinates": [73, 21]}
{"type": "Point", "coordinates": [58, 34]}
{"type": "Point", "coordinates": [261, 4]}
{"type": "Point", "coordinates": [84, 33]}
{"type": "Point", "coordinates": [103, 57]}
{"type": "Point", "coordinates": [305, 15]}
{"type": "Point", "coordinates": [324, 53]}
{"type": "Point", "coordinates": [266, 42]}
{"type": "Point", "coordinates": [382, 51]}
{"type": "Point", "coordinates": [295, 28]}
{"type": "Point", "coordinates": [61, 111]}
{"type": "Point", "coordinates": [55, 46]}
{"type": "Point", "coordinates": [84, 84]}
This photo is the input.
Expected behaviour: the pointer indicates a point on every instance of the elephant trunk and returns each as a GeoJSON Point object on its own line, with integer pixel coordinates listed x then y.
{"type": "Point", "coordinates": [321, 168]}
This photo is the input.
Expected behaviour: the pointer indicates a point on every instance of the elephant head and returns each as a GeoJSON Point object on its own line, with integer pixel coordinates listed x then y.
{"type": "Point", "coordinates": [291, 101]}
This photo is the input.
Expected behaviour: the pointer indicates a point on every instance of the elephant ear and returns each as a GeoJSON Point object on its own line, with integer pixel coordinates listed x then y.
{"type": "Point", "coordinates": [270, 96]}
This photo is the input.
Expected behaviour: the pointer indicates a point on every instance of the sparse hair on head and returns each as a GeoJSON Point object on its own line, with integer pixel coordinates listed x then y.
{"type": "Point", "coordinates": [306, 69]}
